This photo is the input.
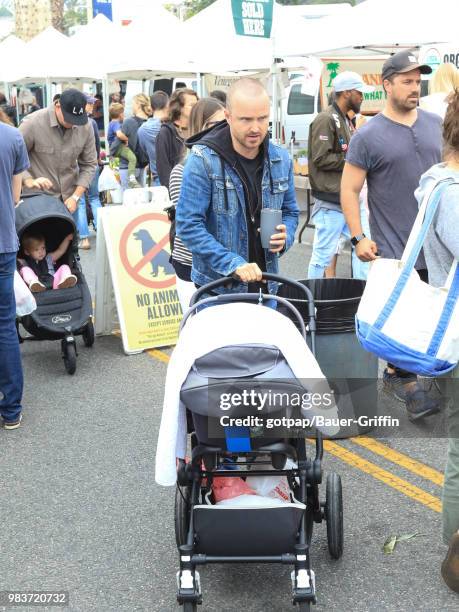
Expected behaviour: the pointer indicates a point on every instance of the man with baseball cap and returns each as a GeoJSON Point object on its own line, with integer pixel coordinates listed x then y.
{"type": "Point", "coordinates": [329, 137]}
{"type": "Point", "coordinates": [61, 147]}
{"type": "Point", "coordinates": [391, 152]}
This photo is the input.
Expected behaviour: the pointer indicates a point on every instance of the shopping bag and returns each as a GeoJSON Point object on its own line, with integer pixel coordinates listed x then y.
{"type": "Point", "coordinates": [107, 179]}
{"type": "Point", "coordinates": [402, 319]}
{"type": "Point", "coordinates": [25, 302]}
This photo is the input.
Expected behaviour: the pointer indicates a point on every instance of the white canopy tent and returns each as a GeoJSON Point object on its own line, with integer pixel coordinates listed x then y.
{"type": "Point", "coordinates": [51, 57]}
{"type": "Point", "coordinates": [211, 39]}
{"type": "Point", "coordinates": [12, 48]}
{"type": "Point", "coordinates": [375, 26]}
{"type": "Point", "coordinates": [152, 46]}
{"type": "Point", "coordinates": [101, 30]}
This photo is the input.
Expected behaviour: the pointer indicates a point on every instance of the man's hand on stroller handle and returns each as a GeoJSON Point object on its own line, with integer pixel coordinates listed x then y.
{"type": "Point", "coordinates": [41, 183]}
{"type": "Point", "coordinates": [248, 273]}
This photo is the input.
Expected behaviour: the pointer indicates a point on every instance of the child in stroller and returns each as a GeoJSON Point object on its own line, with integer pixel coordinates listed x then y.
{"type": "Point", "coordinates": [67, 312]}
{"type": "Point", "coordinates": [38, 268]}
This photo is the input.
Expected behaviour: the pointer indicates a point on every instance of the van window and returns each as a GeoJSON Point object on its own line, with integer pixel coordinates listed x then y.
{"type": "Point", "coordinates": [299, 103]}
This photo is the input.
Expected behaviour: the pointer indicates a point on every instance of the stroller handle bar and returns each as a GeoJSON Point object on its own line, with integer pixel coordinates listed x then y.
{"type": "Point", "coordinates": [226, 280]}
{"type": "Point", "coordinates": [33, 194]}
{"type": "Point", "coordinates": [248, 297]}
{"type": "Point", "coordinates": [254, 297]}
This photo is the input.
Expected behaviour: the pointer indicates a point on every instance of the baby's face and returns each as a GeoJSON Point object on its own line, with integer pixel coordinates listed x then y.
{"type": "Point", "coordinates": [37, 252]}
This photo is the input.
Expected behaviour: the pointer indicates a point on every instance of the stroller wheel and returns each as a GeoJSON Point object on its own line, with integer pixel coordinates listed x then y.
{"type": "Point", "coordinates": [182, 516]}
{"type": "Point", "coordinates": [88, 334]}
{"type": "Point", "coordinates": [69, 356]}
{"type": "Point", "coordinates": [334, 515]}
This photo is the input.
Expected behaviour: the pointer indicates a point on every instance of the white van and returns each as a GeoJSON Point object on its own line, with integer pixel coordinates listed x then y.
{"type": "Point", "coordinates": [298, 111]}
{"type": "Point", "coordinates": [300, 108]}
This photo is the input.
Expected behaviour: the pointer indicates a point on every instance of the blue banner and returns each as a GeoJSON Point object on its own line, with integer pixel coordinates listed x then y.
{"type": "Point", "coordinates": [102, 6]}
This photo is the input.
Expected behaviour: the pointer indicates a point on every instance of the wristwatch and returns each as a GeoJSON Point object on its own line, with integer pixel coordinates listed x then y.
{"type": "Point", "coordinates": [75, 197]}
{"type": "Point", "coordinates": [356, 239]}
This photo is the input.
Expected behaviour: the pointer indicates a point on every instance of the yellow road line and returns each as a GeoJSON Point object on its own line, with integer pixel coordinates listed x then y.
{"type": "Point", "coordinates": [416, 467]}
{"type": "Point", "coordinates": [157, 354]}
{"type": "Point", "coordinates": [432, 502]}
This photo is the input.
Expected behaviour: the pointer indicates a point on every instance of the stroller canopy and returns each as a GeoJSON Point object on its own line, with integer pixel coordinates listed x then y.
{"type": "Point", "coordinates": [44, 214]}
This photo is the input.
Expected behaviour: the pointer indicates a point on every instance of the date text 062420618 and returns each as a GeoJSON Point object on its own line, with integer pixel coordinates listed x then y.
{"type": "Point", "coordinates": [34, 598]}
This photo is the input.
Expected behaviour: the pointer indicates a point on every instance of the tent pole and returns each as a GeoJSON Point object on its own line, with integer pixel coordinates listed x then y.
{"type": "Point", "coordinates": [275, 97]}
{"type": "Point", "coordinates": [105, 103]}
{"type": "Point", "coordinates": [49, 96]}
{"type": "Point", "coordinates": [274, 102]}
{"type": "Point", "coordinates": [17, 104]}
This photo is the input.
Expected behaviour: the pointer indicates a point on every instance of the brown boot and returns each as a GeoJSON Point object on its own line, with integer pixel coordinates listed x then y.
{"type": "Point", "coordinates": [450, 566]}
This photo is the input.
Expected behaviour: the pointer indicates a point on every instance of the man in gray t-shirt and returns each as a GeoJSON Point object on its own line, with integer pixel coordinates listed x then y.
{"type": "Point", "coordinates": [391, 152]}
{"type": "Point", "coordinates": [394, 156]}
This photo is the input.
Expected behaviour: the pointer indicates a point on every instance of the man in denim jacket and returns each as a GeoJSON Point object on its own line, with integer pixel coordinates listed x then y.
{"type": "Point", "coordinates": [233, 172]}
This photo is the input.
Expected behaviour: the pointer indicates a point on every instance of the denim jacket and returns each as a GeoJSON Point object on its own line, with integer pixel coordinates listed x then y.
{"type": "Point", "coordinates": [213, 224]}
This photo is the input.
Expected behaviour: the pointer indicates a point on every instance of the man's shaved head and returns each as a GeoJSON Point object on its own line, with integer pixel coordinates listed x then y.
{"type": "Point", "coordinates": [247, 113]}
{"type": "Point", "coordinates": [246, 87]}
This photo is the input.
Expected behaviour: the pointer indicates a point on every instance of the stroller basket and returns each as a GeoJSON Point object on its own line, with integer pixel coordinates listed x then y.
{"type": "Point", "coordinates": [247, 530]}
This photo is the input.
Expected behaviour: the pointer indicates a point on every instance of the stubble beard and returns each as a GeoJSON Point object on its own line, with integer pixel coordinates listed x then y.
{"type": "Point", "coordinates": [403, 106]}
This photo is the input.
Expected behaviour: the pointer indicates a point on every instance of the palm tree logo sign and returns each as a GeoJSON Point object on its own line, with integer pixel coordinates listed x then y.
{"type": "Point", "coordinates": [332, 68]}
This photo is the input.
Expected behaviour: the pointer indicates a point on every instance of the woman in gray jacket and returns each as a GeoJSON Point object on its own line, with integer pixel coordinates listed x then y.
{"type": "Point", "coordinates": [441, 247]}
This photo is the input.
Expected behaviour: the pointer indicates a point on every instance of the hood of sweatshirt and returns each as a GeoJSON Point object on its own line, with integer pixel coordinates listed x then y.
{"type": "Point", "coordinates": [433, 175]}
{"type": "Point", "coordinates": [218, 138]}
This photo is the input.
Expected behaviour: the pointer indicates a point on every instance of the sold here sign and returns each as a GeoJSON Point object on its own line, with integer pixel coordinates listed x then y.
{"type": "Point", "coordinates": [253, 18]}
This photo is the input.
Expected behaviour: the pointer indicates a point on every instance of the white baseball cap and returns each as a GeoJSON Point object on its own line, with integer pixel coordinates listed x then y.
{"type": "Point", "coordinates": [347, 80]}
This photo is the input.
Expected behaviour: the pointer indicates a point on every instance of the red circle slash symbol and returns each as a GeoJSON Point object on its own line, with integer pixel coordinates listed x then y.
{"type": "Point", "coordinates": [153, 253]}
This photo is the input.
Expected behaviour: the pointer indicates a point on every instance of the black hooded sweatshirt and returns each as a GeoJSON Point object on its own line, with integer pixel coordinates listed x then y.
{"type": "Point", "coordinates": [169, 151]}
{"type": "Point", "coordinates": [250, 172]}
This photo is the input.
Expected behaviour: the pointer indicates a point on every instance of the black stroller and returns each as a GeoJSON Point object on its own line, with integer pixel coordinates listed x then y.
{"type": "Point", "coordinates": [61, 314]}
{"type": "Point", "coordinates": [210, 533]}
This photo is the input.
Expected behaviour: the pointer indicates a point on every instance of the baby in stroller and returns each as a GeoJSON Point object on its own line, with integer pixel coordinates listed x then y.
{"type": "Point", "coordinates": [38, 268]}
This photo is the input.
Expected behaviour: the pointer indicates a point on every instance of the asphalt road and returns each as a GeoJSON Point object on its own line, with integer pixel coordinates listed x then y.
{"type": "Point", "coordinates": [81, 511]}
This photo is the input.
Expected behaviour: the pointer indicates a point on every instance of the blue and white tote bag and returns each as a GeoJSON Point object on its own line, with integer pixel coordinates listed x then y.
{"type": "Point", "coordinates": [404, 320]}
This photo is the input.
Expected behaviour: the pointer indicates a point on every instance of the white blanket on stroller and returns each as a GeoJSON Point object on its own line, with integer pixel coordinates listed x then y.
{"type": "Point", "coordinates": [213, 328]}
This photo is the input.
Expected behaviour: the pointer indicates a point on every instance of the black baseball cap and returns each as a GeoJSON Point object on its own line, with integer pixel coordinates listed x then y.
{"type": "Point", "coordinates": [73, 106]}
{"type": "Point", "coordinates": [403, 61]}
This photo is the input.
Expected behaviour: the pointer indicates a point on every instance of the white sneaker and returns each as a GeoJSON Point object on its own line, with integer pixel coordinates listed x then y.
{"type": "Point", "coordinates": [12, 424]}
{"type": "Point", "coordinates": [133, 182]}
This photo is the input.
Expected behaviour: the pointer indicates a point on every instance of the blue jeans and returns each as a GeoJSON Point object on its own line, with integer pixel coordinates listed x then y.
{"type": "Point", "coordinates": [80, 216]}
{"type": "Point", "coordinates": [329, 225]}
{"type": "Point", "coordinates": [93, 195]}
{"type": "Point", "coordinates": [11, 379]}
